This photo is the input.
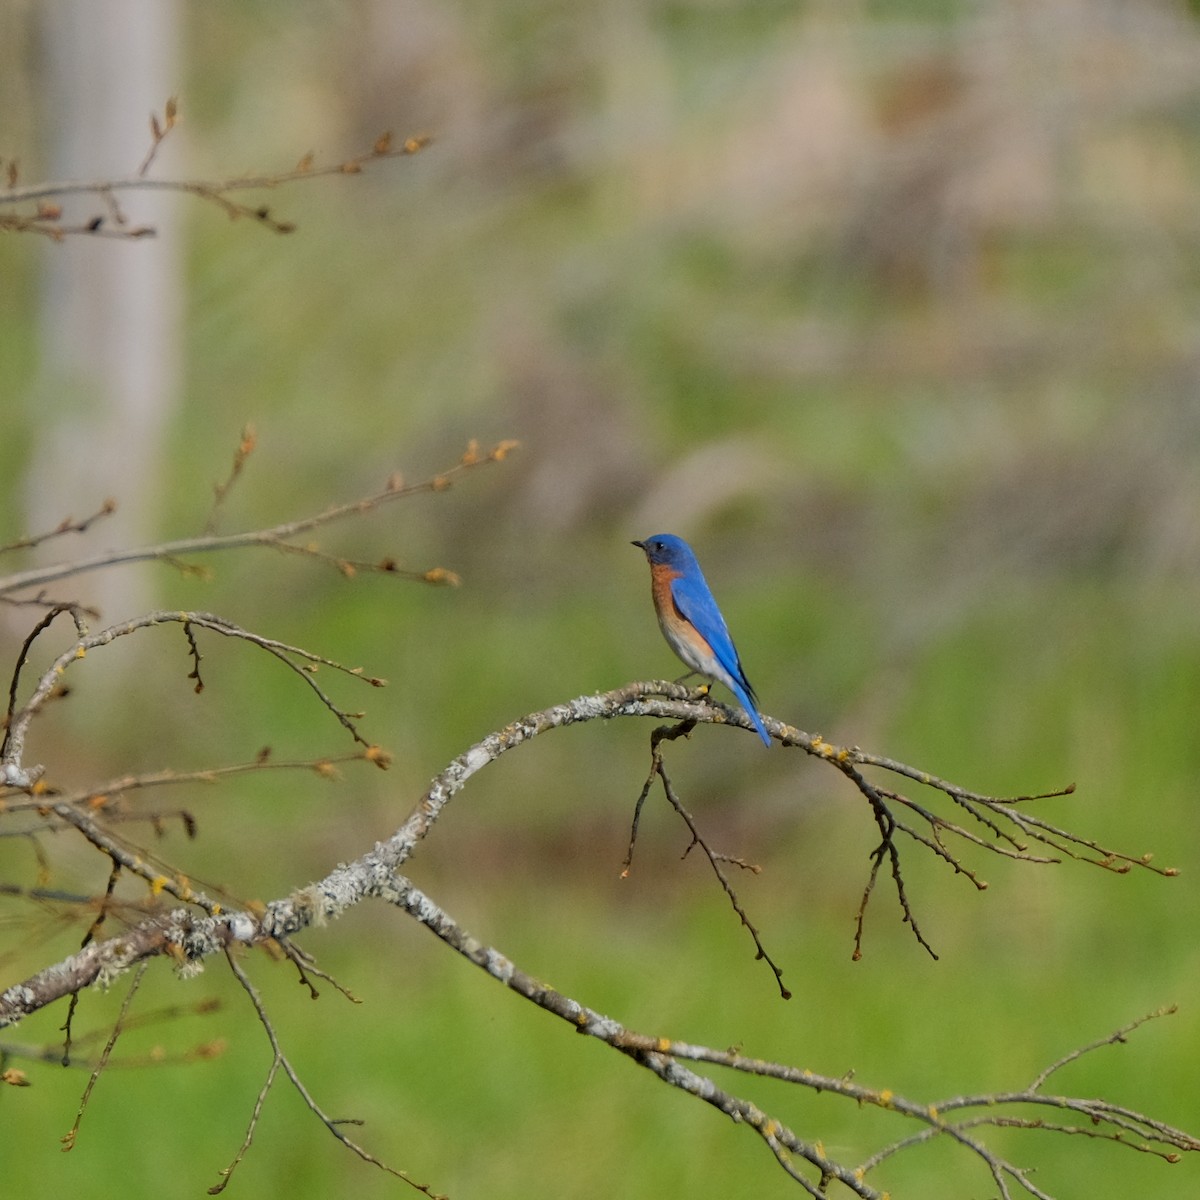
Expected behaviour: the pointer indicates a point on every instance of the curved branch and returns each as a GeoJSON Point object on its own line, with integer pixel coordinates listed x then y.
{"type": "Point", "coordinates": [370, 875]}
{"type": "Point", "coordinates": [12, 769]}
{"type": "Point", "coordinates": [189, 938]}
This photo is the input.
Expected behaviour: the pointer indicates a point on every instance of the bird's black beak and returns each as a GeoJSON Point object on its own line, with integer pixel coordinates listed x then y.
{"type": "Point", "coordinates": [639, 545]}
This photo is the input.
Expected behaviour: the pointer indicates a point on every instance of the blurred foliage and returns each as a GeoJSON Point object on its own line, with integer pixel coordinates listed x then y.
{"type": "Point", "coordinates": [892, 310]}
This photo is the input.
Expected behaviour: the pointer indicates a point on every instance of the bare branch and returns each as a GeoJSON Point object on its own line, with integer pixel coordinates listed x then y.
{"type": "Point", "coordinates": [46, 217]}
{"type": "Point", "coordinates": [67, 525]}
{"type": "Point", "coordinates": [22, 659]}
{"type": "Point", "coordinates": [246, 447]}
{"type": "Point", "coordinates": [657, 769]}
{"type": "Point", "coordinates": [295, 658]}
{"type": "Point", "coordinates": [354, 882]}
{"type": "Point", "coordinates": [280, 1061]}
{"type": "Point", "coordinates": [70, 1136]}
{"type": "Point", "coordinates": [94, 796]}
{"type": "Point", "coordinates": [189, 937]}
{"type": "Point", "coordinates": [276, 537]}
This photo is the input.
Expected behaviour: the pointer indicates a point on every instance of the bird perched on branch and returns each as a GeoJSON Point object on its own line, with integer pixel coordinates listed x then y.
{"type": "Point", "coordinates": [691, 621]}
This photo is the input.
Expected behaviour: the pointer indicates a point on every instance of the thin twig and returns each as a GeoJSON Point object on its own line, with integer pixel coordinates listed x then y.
{"type": "Point", "coordinates": [1113, 1039]}
{"type": "Point", "coordinates": [306, 966]}
{"type": "Point", "coordinates": [23, 658]}
{"type": "Point", "coordinates": [280, 1061]}
{"type": "Point", "coordinates": [657, 736]}
{"type": "Point", "coordinates": [68, 1139]}
{"type": "Point", "coordinates": [67, 525]}
{"type": "Point", "coordinates": [92, 796]}
{"type": "Point", "coordinates": [276, 536]}
{"type": "Point", "coordinates": [293, 657]}
{"type": "Point", "coordinates": [46, 218]}
{"type": "Point", "coordinates": [245, 447]}
{"type": "Point", "coordinates": [102, 910]}
{"type": "Point", "coordinates": [158, 134]}
{"type": "Point", "coordinates": [659, 769]}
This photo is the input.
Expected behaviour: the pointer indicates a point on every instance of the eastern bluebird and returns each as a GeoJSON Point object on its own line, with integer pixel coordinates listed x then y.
{"type": "Point", "coordinates": [691, 621]}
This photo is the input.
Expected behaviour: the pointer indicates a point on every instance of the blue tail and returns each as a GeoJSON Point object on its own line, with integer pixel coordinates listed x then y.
{"type": "Point", "coordinates": [747, 702]}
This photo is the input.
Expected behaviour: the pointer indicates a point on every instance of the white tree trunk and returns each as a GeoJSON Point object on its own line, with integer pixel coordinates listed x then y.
{"type": "Point", "coordinates": [110, 310]}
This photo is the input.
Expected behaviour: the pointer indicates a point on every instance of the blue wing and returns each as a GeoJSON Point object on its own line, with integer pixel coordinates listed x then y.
{"type": "Point", "coordinates": [696, 603]}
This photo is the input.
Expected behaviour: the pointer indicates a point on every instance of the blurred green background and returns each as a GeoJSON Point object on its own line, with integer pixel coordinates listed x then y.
{"type": "Point", "coordinates": [892, 310]}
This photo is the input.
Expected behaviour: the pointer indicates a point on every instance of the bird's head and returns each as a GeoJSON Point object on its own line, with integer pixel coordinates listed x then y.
{"type": "Point", "coordinates": [667, 550]}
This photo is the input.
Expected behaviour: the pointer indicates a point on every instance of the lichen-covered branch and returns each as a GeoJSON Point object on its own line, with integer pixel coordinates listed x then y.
{"type": "Point", "coordinates": [192, 934]}
{"type": "Point", "coordinates": [370, 875]}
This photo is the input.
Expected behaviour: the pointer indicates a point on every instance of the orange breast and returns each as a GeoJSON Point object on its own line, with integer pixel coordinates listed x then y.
{"type": "Point", "coordinates": [661, 577]}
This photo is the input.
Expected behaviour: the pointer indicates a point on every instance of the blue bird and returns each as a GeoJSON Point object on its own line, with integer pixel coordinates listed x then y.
{"type": "Point", "coordinates": [691, 621]}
